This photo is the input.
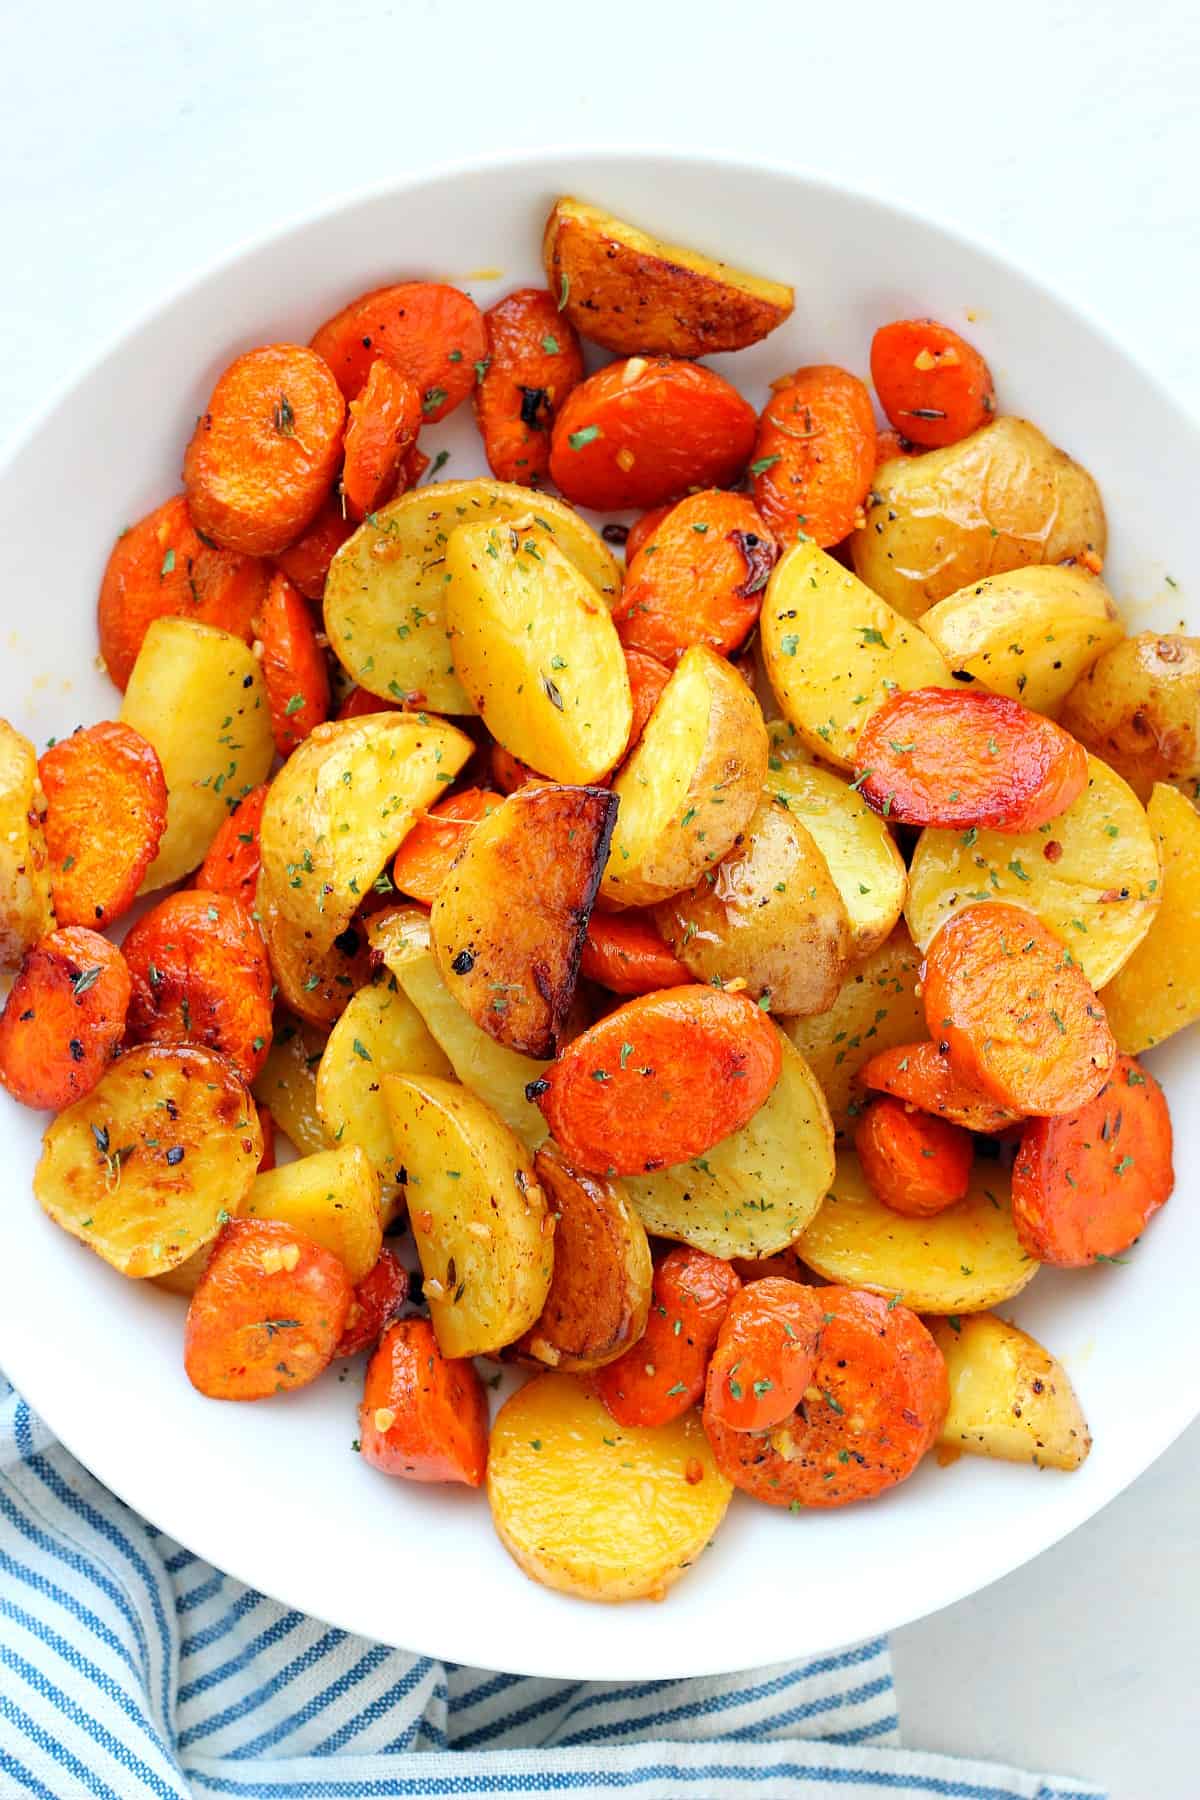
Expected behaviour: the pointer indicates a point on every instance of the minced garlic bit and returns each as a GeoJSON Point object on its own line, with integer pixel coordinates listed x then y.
{"type": "Point", "coordinates": [435, 1290]}
{"type": "Point", "coordinates": [860, 519]}
{"type": "Point", "coordinates": [783, 1443]}
{"type": "Point", "coordinates": [545, 1351]}
{"type": "Point", "coordinates": [425, 1220]}
{"type": "Point", "coordinates": [625, 459]}
{"type": "Point", "coordinates": [693, 1474]}
{"type": "Point", "coordinates": [1091, 561]}
{"type": "Point", "coordinates": [279, 1256]}
{"type": "Point", "coordinates": [633, 368]}
{"type": "Point", "coordinates": [385, 1418]}
{"type": "Point", "coordinates": [479, 1230]}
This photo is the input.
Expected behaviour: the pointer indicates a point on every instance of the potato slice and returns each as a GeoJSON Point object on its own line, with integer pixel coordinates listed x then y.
{"type": "Point", "coordinates": [147, 1167]}
{"type": "Point", "coordinates": [197, 695]}
{"type": "Point", "coordinates": [962, 1260]}
{"type": "Point", "coordinates": [596, 1509]}
{"type": "Point", "coordinates": [878, 1006]}
{"type": "Point", "coordinates": [287, 1083]}
{"type": "Point", "coordinates": [1000, 499]}
{"type": "Point", "coordinates": [859, 849]}
{"type": "Point", "coordinates": [536, 650]}
{"type": "Point", "coordinates": [1157, 992]}
{"type": "Point", "coordinates": [509, 920]}
{"type": "Point", "coordinates": [1092, 876]}
{"type": "Point", "coordinates": [599, 1295]}
{"type": "Point", "coordinates": [1029, 633]}
{"type": "Point", "coordinates": [1138, 707]}
{"type": "Point", "coordinates": [1009, 1398]}
{"type": "Point", "coordinates": [769, 915]}
{"type": "Point", "coordinates": [691, 784]}
{"type": "Point", "coordinates": [332, 1198]}
{"type": "Point", "coordinates": [380, 1033]}
{"type": "Point", "coordinates": [478, 1213]}
{"type": "Point", "coordinates": [639, 296]}
{"type": "Point", "coordinates": [497, 1074]}
{"type": "Point", "coordinates": [26, 910]}
{"type": "Point", "coordinates": [314, 984]}
{"type": "Point", "coordinates": [341, 806]}
{"type": "Point", "coordinates": [834, 652]}
{"type": "Point", "coordinates": [385, 596]}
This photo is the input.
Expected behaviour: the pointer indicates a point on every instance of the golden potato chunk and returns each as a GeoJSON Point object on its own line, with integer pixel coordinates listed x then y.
{"type": "Point", "coordinates": [26, 910]}
{"type": "Point", "coordinates": [314, 984]}
{"type": "Point", "coordinates": [877, 1007]}
{"type": "Point", "coordinates": [1157, 992]}
{"type": "Point", "coordinates": [287, 1083]}
{"type": "Point", "coordinates": [1009, 1398]}
{"type": "Point", "coordinates": [857, 845]}
{"type": "Point", "coordinates": [332, 1198]}
{"type": "Point", "coordinates": [1138, 707]}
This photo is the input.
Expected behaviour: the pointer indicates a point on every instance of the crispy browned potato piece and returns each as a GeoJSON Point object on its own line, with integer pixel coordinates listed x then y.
{"type": "Point", "coordinates": [1139, 708]}
{"type": "Point", "coordinates": [635, 294]}
{"type": "Point", "coordinates": [315, 984]}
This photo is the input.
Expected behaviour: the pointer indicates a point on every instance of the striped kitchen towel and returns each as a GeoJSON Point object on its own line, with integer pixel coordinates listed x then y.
{"type": "Point", "coordinates": [130, 1669]}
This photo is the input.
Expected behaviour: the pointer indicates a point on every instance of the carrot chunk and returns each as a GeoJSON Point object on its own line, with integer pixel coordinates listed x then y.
{"type": "Point", "coordinates": [1016, 1011]}
{"type": "Point", "coordinates": [1085, 1184]}
{"type": "Point", "coordinates": [915, 1163]}
{"type": "Point", "coordinates": [642, 530]}
{"type": "Point", "coordinates": [359, 702]}
{"type": "Point", "coordinates": [427, 330]}
{"type": "Point", "coordinates": [306, 562]}
{"type": "Point", "coordinates": [377, 1299]}
{"type": "Point", "coordinates": [423, 860]}
{"type": "Point", "coordinates": [533, 362]}
{"type": "Point", "coordinates": [700, 581]}
{"type": "Point", "coordinates": [766, 1355]}
{"type": "Point", "coordinates": [64, 1018]}
{"type": "Point", "coordinates": [106, 809]}
{"type": "Point", "coordinates": [933, 385]}
{"type": "Point", "coordinates": [624, 953]}
{"type": "Point", "coordinates": [423, 1415]}
{"type": "Point", "coordinates": [647, 679]}
{"type": "Point", "coordinates": [232, 864]}
{"type": "Point", "coordinates": [200, 974]}
{"type": "Point", "coordinates": [384, 421]}
{"type": "Point", "coordinates": [662, 1375]}
{"type": "Point", "coordinates": [814, 455]}
{"type": "Point", "coordinates": [923, 1075]}
{"type": "Point", "coordinates": [293, 664]}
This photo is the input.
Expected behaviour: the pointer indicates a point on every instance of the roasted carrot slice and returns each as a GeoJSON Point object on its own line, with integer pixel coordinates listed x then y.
{"type": "Point", "coordinates": [699, 581]}
{"type": "Point", "coordinates": [106, 809]}
{"type": "Point", "coordinates": [661, 1079]}
{"type": "Point", "coordinates": [294, 666]}
{"type": "Point", "coordinates": [923, 1076]}
{"type": "Point", "coordinates": [766, 1355]}
{"type": "Point", "coordinates": [232, 864]}
{"type": "Point", "coordinates": [423, 1415]}
{"type": "Point", "coordinates": [267, 1314]}
{"type": "Point", "coordinates": [642, 530]}
{"type": "Point", "coordinates": [956, 759]}
{"type": "Point", "coordinates": [915, 1163]}
{"type": "Point", "coordinates": [266, 1125]}
{"type": "Point", "coordinates": [507, 770]}
{"type": "Point", "coordinates": [1084, 1185]}
{"type": "Point", "coordinates": [891, 444]}
{"type": "Point", "coordinates": [814, 455]}
{"type": "Point", "coordinates": [265, 450]}
{"type": "Point", "coordinates": [427, 330]}
{"type": "Point", "coordinates": [423, 860]}
{"type": "Point", "coordinates": [64, 1018]}
{"type": "Point", "coordinates": [533, 362]}
{"type": "Point", "coordinates": [624, 953]}
{"type": "Point", "coordinates": [359, 702]}
{"type": "Point", "coordinates": [384, 421]}
{"type": "Point", "coordinates": [200, 974]}
{"type": "Point", "coordinates": [784, 1266]}
{"type": "Point", "coordinates": [306, 562]}
{"type": "Point", "coordinates": [377, 1299]}
{"type": "Point", "coordinates": [662, 1375]}
{"type": "Point", "coordinates": [933, 385]}
{"type": "Point", "coordinates": [647, 679]}
{"type": "Point", "coordinates": [162, 567]}
{"type": "Point", "coordinates": [641, 431]}
{"type": "Point", "coordinates": [876, 1403]}
{"type": "Point", "coordinates": [1015, 1010]}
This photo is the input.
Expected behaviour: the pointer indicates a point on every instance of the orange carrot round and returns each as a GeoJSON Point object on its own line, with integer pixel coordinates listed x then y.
{"type": "Point", "coordinates": [200, 974]}
{"type": "Point", "coordinates": [265, 450]}
{"type": "Point", "coordinates": [533, 362]}
{"type": "Point", "coordinates": [306, 562]}
{"type": "Point", "coordinates": [1084, 1185]}
{"type": "Point", "coordinates": [647, 679]}
{"type": "Point", "coordinates": [701, 579]}
{"type": "Point", "coordinates": [625, 954]}
{"type": "Point", "coordinates": [642, 530]}
{"type": "Point", "coordinates": [106, 809]}
{"type": "Point", "coordinates": [377, 1299]}
{"type": "Point", "coordinates": [267, 1314]}
{"type": "Point", "coordinates": [644, 430]}
{"type": "Point", "coordinates": [916, 1164]}
{"type": "Point", "coordinates": [814, 455]}
{"type": "Point", "coordinates": [662, 1375]}
{"type": "Point", "coordinates": [933, 385]}
{"type": "Point", "coordinates": [359, 702]}
{"type": "Point", "coordinates": [64, 1018]}
{"type": "Point", "coordinates": [423, 1415]}
{"type": "Point", "coordinates": [163, 567]}
{"type": "Point", "coordinates": [875, 1405]}
{"type": "Point", "coordinates": [766, 1355]}
{"type": "Point", "coordinates": [384, 421]}
{"type": "Point", "coordinates": [294, 666]}
{"type": "Point", "coordinates": [957, 759]}
{"type": "Point", "coordinates": [1015, 1010]}
{"type": "Point", "coordinates": [427, 330]}
{"type": "Point", "coordinates": [232, 864]}
{"type": "Point", "coordinates": [923, 1075]}
{"type": "Point", "coordinates": [660, 1080]}
{"type": "Point", "coordinates": [423, 860]}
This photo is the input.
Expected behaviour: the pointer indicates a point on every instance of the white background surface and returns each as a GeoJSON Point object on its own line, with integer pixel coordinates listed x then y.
{"type": "Point", "coordinates": [141, 139]}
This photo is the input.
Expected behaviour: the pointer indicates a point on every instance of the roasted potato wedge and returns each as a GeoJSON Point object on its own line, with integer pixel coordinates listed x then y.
{"type": "Point", "coordinates": [287, 1083]}
{"type": "Point", "coordinates": [637, 295]}
{"type": "Point", "coordinates": [1138, 707]}
{"type": "Point", "coordinates": [385, 596]}
{"type": "Point", "coordinates": [768, 914]}
{"type": "Point", "coordinates": [1009, 1398]}
{"type": "Point", "coordinates": [600, 1290]}
{"type": "Point", "coordinates": [341, 806]}
{"type": "Point", "coordinates": [878, 1006]}
{"type": "Point", "coordinates": [834, 652]}
{"type": "Point", "coordinates": [960, 1261]}
{"type": "Point", "coordinates": [1029, 633]}
{"type": "Point", "coordinates": [26, 910]}
{"type": "Point", "coordinates": [1000, 499]}
{"type": "Point", "coordinates": [1092, 876]}
{"type": "Point", "coordinates": [332, 1198]}
{"type": "Point", "coordinates": [859, 849]}
{"type": "Point", "coordinates": [315, 984]}
{"type": "Point", "coordinates": [198, 696]}
{"type": "Point", "coordinates": [1157, 992]}
{"type": "Point", "coordinates": [509, 920]}
{"type": "Point", "coordinates": [652, 1499]}
{"type": "Point", "coordinates": [478, 1213]}
{"type": "Point", "coordinates": [535, 648]}
{"type": "Point", "coordinates": [147, 1167]}
{"type": "Point", "coordinates": [691, 784]}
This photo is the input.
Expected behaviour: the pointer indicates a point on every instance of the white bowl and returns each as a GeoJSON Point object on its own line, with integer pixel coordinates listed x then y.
{"type": "Point", "coordinates": [276, 1494]}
